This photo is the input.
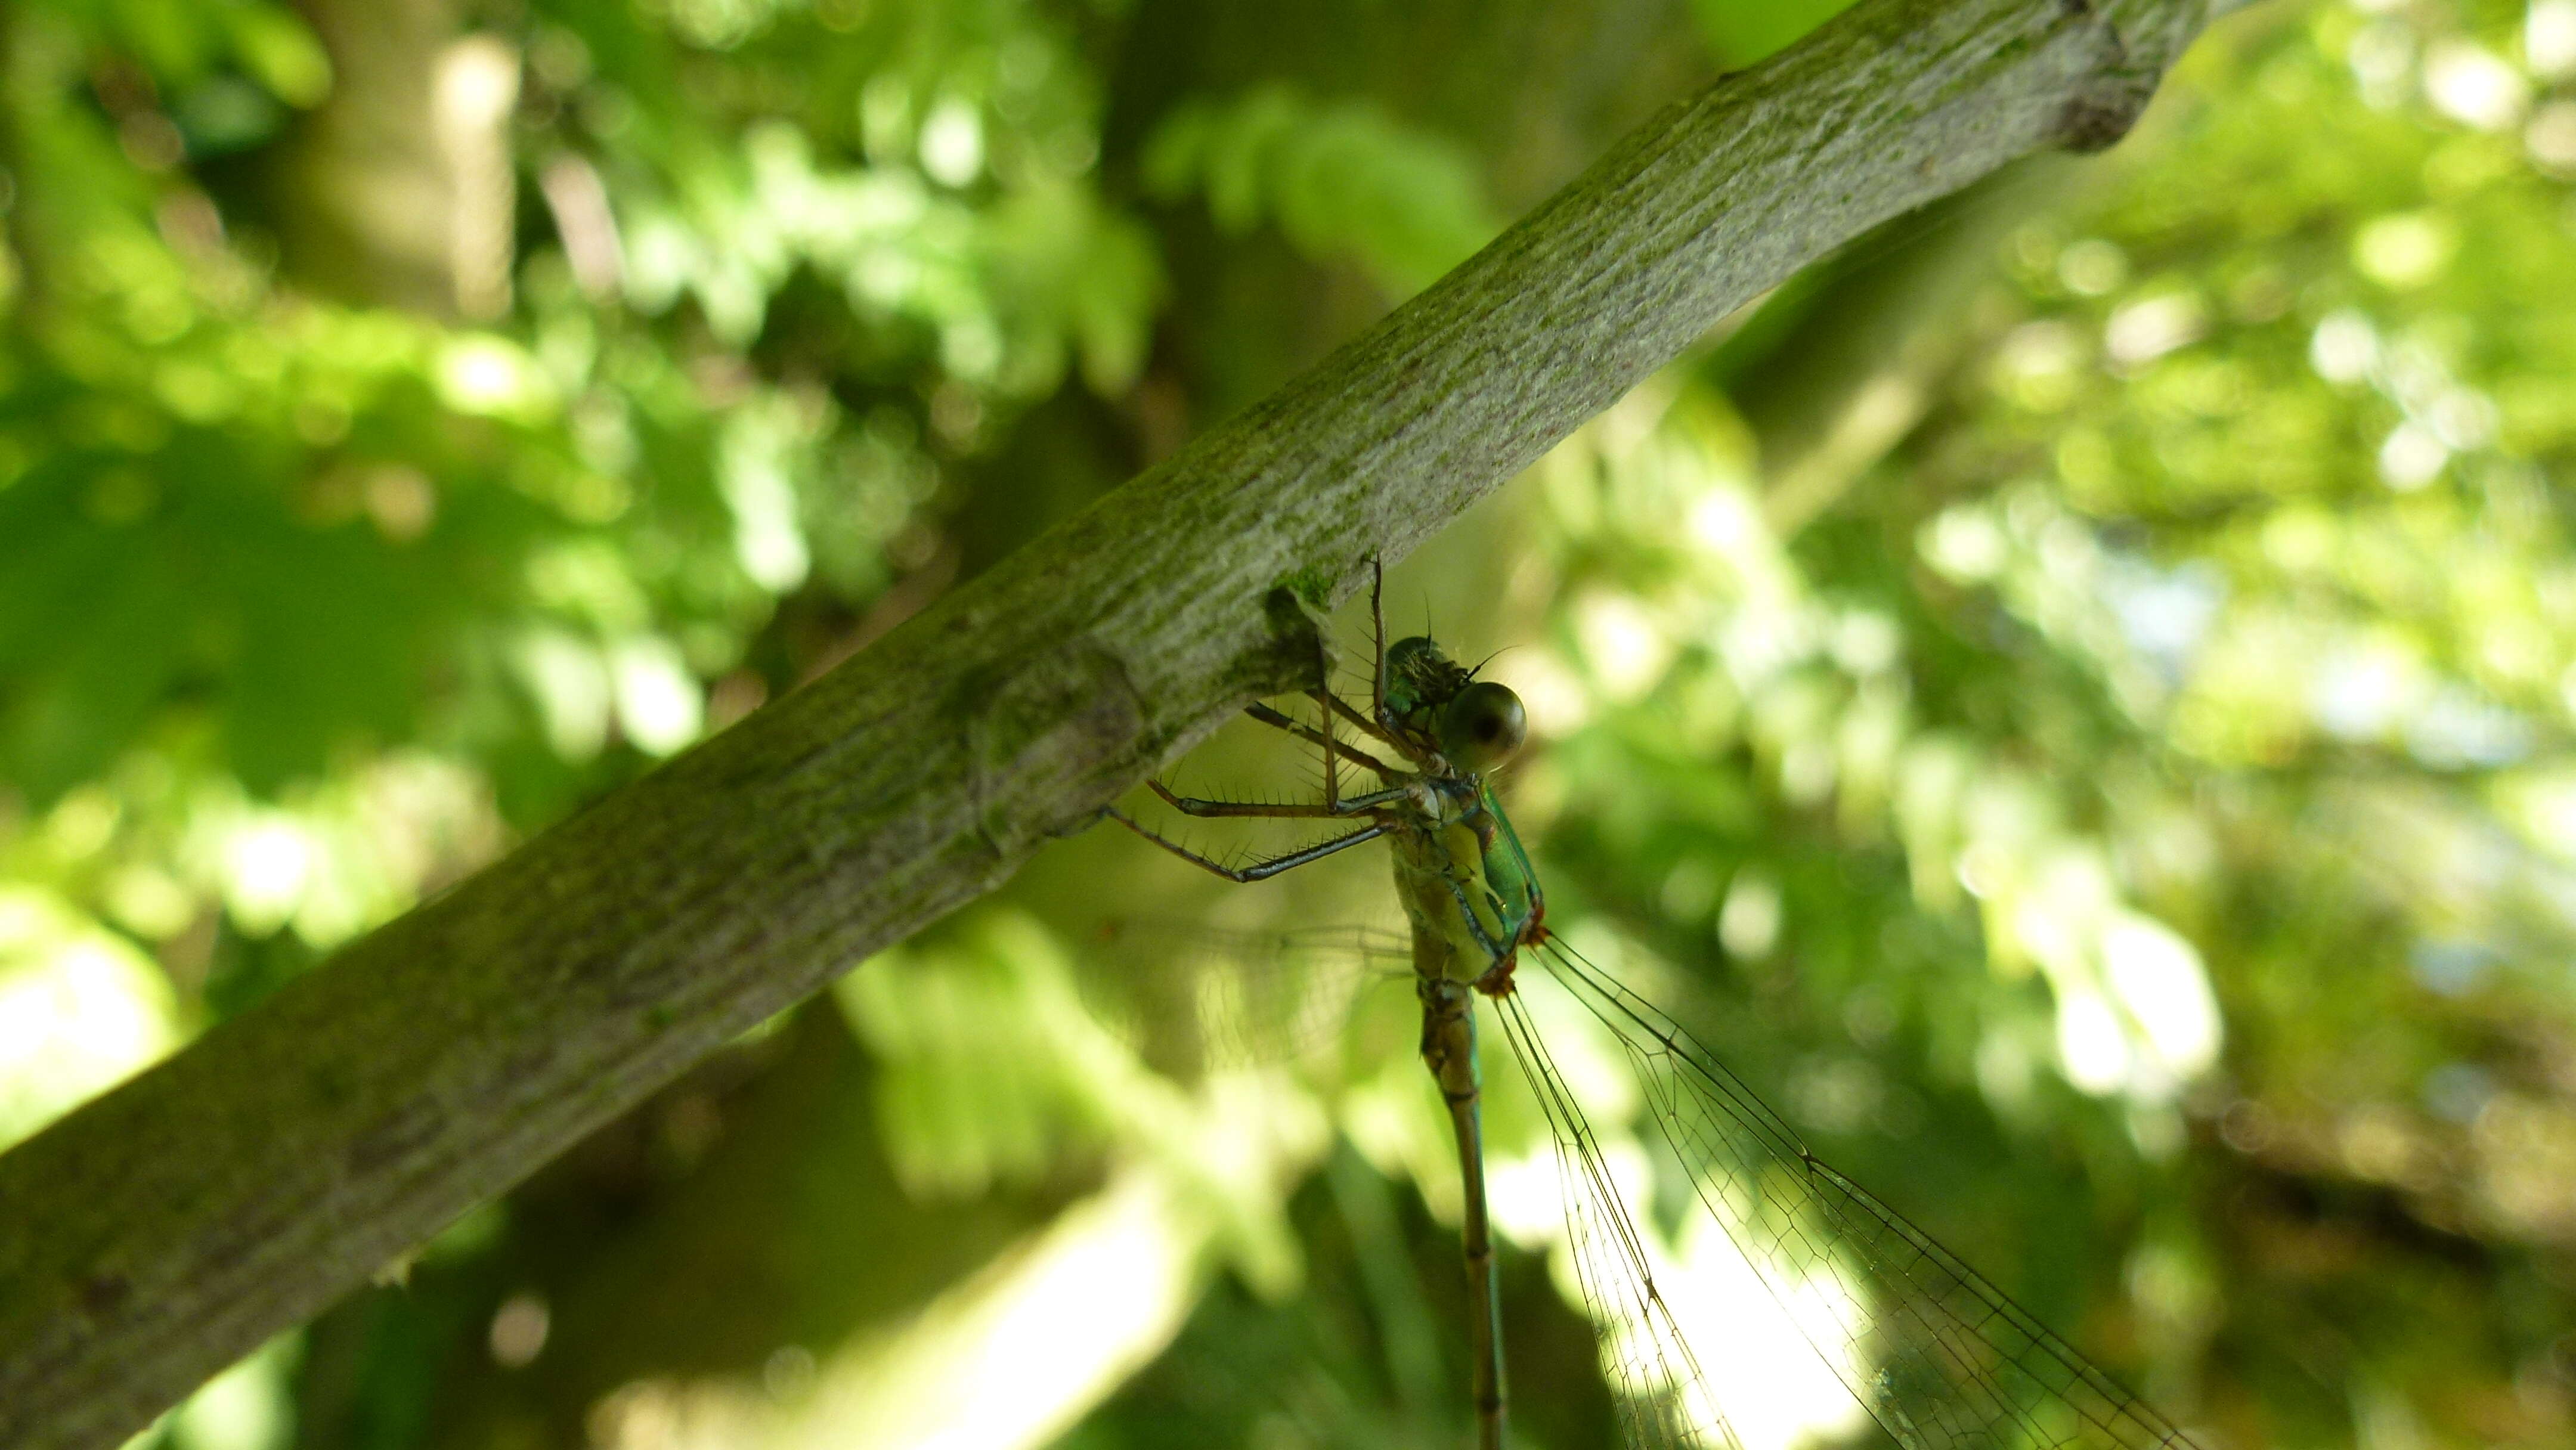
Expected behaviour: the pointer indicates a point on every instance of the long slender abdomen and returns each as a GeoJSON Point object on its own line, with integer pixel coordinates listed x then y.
{"type": "Point", "coordinates": [1449, 1050]}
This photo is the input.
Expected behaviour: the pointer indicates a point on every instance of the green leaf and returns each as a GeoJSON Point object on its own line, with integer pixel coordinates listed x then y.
{"type": "Point", "coordinates": [275, 45]}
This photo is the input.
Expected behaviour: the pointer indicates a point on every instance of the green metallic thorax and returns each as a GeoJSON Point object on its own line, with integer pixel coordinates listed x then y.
{"type": "Point", "coordinates": [1454, 844]}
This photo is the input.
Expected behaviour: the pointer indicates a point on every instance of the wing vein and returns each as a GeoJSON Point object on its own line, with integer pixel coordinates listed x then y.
{"type": "Point", "coordinates": [1936, 1354]}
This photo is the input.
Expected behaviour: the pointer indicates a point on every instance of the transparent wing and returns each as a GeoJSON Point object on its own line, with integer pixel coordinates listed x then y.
{"type": "Point", "coordinates": [1203, 998]}
{"type": "Point", "coordinates": [1662, 1395]}
{"type": "Point", "coordinates": [1939, 1358]}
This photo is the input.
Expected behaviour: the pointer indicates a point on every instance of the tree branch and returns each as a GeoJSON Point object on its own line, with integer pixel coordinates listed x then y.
{"type": "Point", "coordinates": [163, 1230]}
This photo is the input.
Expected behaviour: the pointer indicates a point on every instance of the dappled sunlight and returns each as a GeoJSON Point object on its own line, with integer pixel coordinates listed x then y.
{"type": "Point", "coordinates": [1760, 1372]}
{"type": "Point", "coordinates": [250, 1406]}
{"type": "Point", "coordinates": [485, 374]}
{"type": "Point", "coordinates": [1013, 1357]}
{"type": "Point", "coordinates": [339, 859]}
{"type": "Point", "coordinates": [1759, 1348]}
{"type": "Point", "coordinates": [997, 1072]}
{"type": "Point", "coordinates": [1770, 1350]}
{"type": "Point", "coordinates": [80, 1010]}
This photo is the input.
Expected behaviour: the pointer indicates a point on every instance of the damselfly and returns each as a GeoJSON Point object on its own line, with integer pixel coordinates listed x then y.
{"type": "Point", "coordinates": [1938, 1356]}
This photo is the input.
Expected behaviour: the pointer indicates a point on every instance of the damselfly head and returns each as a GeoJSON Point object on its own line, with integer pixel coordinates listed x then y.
{"type": "Point", "coordinates": [1482, 726]}
{"type": "Point", "coordinates": [1477, 724]}
{"type": "Point", "coordinates": [1421, 680]}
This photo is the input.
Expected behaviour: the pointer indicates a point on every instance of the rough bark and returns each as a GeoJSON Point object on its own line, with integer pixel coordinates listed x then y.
{"type": "Point", "coordinates": [163, 1230]}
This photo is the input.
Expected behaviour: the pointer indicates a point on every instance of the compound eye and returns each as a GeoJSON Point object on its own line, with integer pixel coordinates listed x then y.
{"type": "Point", "coordinates": [1483, 726]}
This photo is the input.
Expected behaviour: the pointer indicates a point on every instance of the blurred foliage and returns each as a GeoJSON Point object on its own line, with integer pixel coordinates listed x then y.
{"type": "Point", "coordinates": [2072, 697]}
{"type": "Point", "coordinates": [1339, 180]}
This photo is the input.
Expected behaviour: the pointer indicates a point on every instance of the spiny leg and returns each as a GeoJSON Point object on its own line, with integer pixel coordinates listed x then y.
{"type": "Point", "coordinates": [1373, 722]}
{"type": "Point", "coordinates": [1258, 870]}
{"type": "Point", "coordinates": [1324, 704]}
{"type": "Point", "coordinates": [1352, 714]}
{"type": "Point", "coordinates": [1194, 806]}
{"type": "Point", "coordinates": [1312, 736]}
